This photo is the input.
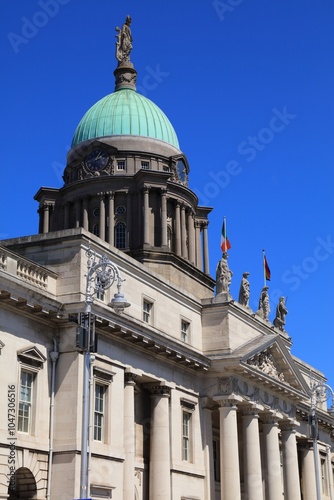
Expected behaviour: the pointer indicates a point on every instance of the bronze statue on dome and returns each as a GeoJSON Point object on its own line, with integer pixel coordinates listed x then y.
{"type": "Point", "coordinates": [124, 43]}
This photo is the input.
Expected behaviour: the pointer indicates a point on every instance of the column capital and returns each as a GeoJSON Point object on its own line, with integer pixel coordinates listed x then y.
{"type": "Point", "coordinates": [225, 402]}
{"type": "Point", "coordinates": [207, 403]}
{"type": "Point", "coordinates": [250, 409]}
{"type": "Point", "coordinates": [129, 378]}
{"type": "Point", "coordinates": [110, 194]}
{"type": "Point", "coordinates": [146, 187]}
{"type": "Point", "coordinates": [101, 194]}
{"type": "Point", "coordinates": [270, 418]}
{"type": "Point", "coordinates": [289, 425]}
{"type": "Point", "coordinates": [163, 191]}
{"type": "Point", "coordinates": [157, 389]}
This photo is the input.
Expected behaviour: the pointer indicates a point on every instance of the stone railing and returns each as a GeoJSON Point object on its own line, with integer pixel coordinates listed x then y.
{"type": "Point", "coordinates": [27, 270]}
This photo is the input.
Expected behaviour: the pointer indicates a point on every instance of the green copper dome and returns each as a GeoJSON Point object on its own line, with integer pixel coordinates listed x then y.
{"type": "Point", "coordinates": [125, 113]}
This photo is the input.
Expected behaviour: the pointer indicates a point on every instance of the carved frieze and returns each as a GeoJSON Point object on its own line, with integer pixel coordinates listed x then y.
{"type": "Point", "coordinates": [264, 362]}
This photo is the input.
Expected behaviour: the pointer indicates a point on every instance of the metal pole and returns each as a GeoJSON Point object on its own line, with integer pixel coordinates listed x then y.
{"type": "Point", "coordinates": [85, 407]}
{"type": "Point", "coordinates": [316, 460]}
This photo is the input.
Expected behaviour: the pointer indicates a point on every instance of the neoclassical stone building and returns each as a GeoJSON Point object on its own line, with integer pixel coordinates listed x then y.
{"type": "Point", "coordinates": [192, 395]}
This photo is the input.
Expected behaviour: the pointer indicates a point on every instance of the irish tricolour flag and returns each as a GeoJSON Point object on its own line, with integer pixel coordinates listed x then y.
{"type": "Point", "coordinates": [224, 242]}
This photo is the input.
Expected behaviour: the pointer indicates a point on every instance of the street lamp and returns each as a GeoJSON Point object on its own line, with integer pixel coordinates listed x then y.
{"type": "Point", "coordinates": [101, 275]}
{"type": "Point", "coordinates": [319, 394]}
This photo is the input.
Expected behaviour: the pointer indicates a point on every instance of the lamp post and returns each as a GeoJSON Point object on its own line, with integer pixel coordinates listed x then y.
{"type": "Point", "coordinates": [101, 275]}
{"type": "Point", "coordinates": [319, 394]}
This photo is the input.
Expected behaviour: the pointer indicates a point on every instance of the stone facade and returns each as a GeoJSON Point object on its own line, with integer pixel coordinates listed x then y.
{"type": "Point", "coordinates": [192, 396]}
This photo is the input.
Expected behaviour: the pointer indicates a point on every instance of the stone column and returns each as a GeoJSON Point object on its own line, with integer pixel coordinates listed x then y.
{"type": "Point", "coordinates": [164, 217]}
{"type": "Point", "coordinates": [102, 217]}
{"type": "Point", "coordinates": [77, 205]}
{"type": "Point", "coordinates": [129, 218]}
{"type": "Point", "coordinates": [66, 215]}
{"type": "Point", "coordinates": [272, 473]}
{"type": "Point", "coordinates": [229, 451]}
{"type": "Point", "coordinates": [184, 249]}
{"type": "Point", "coordinates": [160, 485]}
{"type": "Point", "coordinates": [206, 249]}
{"type": "Point", "coordinates": [191, 237]}
{"type": "Point", "coordinates": [146, 216]}
{"type": "Point", "coordinates": [290, 462]}
{"type": "Point", "coordinates": [177, 229]}
{"type": "Point", "coordinates": [252, 454]}
{"type": "Point", "coordinates": [46, 218]}
{"type": "Point", "coordinates": [129, 437]}
{"type": "Point", "coordinates": [199, 261]}
{"type": "Point", "coordinates": [85, 221]}
{"type": "Point", "coordinates": [208, 449]}
{"type": "Point", "coordinates": [111, 219]}
{"type": "Point", "coordinates": [309, 485]}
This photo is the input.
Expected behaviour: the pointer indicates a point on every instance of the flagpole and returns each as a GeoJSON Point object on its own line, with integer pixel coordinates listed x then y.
{"type": "Point", "coordinates": [225, 233]}
{"type": "Point", "coordinates": [264, 268]}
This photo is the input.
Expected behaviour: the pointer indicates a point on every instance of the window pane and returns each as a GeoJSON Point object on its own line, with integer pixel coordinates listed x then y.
{"type": "Point", "coordinates": [99, 411]}
{"type": "Point", "coordinates": [25, 400]}
{"type": "Point", "coordinates": [120, 235]}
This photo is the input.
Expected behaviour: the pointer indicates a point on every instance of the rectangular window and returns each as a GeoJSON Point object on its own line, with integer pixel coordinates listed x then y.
{"type": "Point", "coordinates": [25, 401]}
{"type": "Point", "coordinates": [186, 436]}
{"type": "Point", "coordinates": [323, 475]}
{"type": "Point", "coordinates": [147, 311]}
{"type": "Point", "coordinates": [145, 165]}
{"type": "Point", "coordinates": [185, 331]}
{"type": "Point", "coordinates": [99, 411]}
{"type": "Point", "coordinates": [121, 165]}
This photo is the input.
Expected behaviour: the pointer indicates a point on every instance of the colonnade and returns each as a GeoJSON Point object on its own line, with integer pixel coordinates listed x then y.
{"type": "Point", "coordinates": [189, 234]}
{"type": "Point", "coordinates": [268, 456]}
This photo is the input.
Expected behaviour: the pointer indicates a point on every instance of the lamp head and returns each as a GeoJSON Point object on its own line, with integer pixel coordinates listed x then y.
{"type": "Point", "coordinates": [119, 302]}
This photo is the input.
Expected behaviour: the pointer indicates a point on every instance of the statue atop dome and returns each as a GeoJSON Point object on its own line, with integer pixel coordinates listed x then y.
{"type": "Point", "coordinates": [124, 43]}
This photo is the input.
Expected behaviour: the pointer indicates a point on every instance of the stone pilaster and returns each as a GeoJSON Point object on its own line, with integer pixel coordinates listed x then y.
{"type": "Point", "coordinates": [85, 221]}
{"type": "Point", "coordinates": [208, 448]}
{"type": "Point", "coordinates": [129, 437]}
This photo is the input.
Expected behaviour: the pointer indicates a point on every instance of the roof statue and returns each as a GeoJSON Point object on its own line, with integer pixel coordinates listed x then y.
{"type": "Point", "coordinates": [281, 312]}
{"type": "Point", "coordinates": [124, 43]}
{"type": "Point", "coordinates": [264, 307]}
{"type": "Point", "coordinates": [223, 276]}
{"type": "Point", "coordinates": [244, 292]}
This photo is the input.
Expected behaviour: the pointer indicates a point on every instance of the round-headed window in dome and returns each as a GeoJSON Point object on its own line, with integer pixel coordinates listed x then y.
{"type": "Point", "coordinates": [120, 210]}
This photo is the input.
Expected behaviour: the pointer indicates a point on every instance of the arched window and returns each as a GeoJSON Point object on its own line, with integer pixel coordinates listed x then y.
{"type": "Point", "coordinates": [120, 235]}
{"type": "Point", "coordinates": [96, 229]}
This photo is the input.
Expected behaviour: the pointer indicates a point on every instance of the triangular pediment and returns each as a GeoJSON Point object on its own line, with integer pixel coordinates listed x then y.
{"type": "Point", "coordinates": [31, 355]}
{"type": "Point", "coordinates": [269, 358]}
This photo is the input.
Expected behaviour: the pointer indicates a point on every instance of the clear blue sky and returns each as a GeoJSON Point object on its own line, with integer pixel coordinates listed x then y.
{"type": "Point", "coordinates": [248, 86]}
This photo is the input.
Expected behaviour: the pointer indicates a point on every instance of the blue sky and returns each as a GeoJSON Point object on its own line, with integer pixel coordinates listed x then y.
{"type": "Point", "coordinates": [248, 88]}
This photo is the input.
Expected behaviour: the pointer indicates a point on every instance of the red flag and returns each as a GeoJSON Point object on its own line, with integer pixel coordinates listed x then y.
{"type": "Point", "coordinates": [266, 268]}
{"type": "Point", "coordinates": [224, 242]}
